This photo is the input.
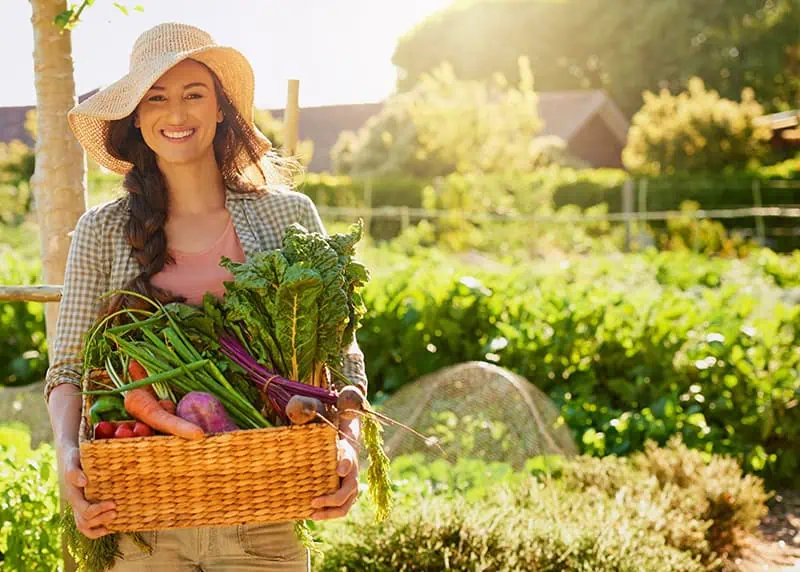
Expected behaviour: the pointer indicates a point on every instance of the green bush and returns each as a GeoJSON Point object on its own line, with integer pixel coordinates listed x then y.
{"type": "Point", "coordinates": [29, 520]}
{"type": "Point", "coordinates": [654, 511]}
{"type": "Point", "coordinates": [23, 353]}
{"type": "Point", "coordinates": [634, 348]}
{"type": "Point", "coordinates": [713, 508]}
{"type": "Point", "coordinates": [562, 533]}
{"type": "Point", "coordinates": [696, 130]}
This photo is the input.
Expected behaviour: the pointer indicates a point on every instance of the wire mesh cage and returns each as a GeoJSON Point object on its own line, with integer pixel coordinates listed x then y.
{"type": "Point", "coordinates": [477, 410]}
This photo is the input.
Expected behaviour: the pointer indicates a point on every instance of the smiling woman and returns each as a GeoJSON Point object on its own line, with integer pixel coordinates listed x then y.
{"type": "Point", "coordinates": [179, 114]}
{"type": "Point", "coordinates": [202, 183]}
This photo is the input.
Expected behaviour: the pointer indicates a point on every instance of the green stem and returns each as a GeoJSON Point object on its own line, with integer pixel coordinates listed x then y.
{"type": "Point", "coordinates": [163, 376]}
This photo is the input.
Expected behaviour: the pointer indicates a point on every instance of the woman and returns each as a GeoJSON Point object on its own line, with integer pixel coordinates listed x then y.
{"type": "Point", "coordinates": [201, 183]}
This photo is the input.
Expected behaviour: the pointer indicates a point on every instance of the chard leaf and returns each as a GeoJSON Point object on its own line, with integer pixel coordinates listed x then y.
{"type": "Point", "coordinates": [297, 320]}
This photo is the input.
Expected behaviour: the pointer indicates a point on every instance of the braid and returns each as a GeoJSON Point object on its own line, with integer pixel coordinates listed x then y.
{"type": "Point", "coordinates": [147, 201]}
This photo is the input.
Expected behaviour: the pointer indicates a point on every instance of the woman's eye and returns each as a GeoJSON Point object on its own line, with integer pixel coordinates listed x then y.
{"type": "Point", "coordinates": [156, 98]}
{"type": "Point", "coordinates": [194, 96]}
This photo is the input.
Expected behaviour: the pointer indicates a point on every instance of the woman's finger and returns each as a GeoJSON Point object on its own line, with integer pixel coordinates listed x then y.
{"type": "Point", "coordinates": [96, 509]}
{"type": "Point", "coordinates": [337, 512]}
{"type": "Point", "coordinates": [94, 532]}
{"type": "Point", "coordinates": [104, 518]}
{"type": "Point", "coordinates": [348, 489]}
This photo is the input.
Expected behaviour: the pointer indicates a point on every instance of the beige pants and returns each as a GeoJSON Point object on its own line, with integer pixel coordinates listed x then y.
{"type": "Point", "coordinates": [271, 547]}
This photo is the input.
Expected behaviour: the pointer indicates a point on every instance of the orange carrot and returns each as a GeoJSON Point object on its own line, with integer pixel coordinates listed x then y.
{"type": "Point", "coordinates": [168, 405]}
{"type": "Point", "coordinates": [144, 406]}
{"type": "Point", "coordinates": [136, 370]}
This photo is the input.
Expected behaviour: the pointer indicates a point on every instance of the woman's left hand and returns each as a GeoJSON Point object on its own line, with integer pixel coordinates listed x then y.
{"type": "Point", "coordinates": [338, 504]}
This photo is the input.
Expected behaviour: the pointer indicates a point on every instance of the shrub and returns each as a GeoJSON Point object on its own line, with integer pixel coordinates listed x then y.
{"type": "Point", "coordinates": [29, 520]}
{"type": "Point", "coordinates": [696, 130]}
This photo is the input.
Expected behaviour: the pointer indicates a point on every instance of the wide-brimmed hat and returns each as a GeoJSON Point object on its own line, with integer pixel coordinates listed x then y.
{"type": "Point", "coordinates": [156, 51]}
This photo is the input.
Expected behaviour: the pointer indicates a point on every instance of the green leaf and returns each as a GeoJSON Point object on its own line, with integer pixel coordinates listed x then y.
{"type": "Point", "coordinates": [297, 320]}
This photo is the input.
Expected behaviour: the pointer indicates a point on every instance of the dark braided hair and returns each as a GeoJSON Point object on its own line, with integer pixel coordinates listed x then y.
{"type": "Point", "coordinates": [236, 149]}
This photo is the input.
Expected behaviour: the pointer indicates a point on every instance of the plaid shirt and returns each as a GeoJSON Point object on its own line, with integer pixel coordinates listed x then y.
{"type": "Point", "coordinates": [100, 259]}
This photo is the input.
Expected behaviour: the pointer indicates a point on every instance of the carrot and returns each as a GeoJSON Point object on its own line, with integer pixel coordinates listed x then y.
{"type": "Point", "coordinates": [167, 405]}
{"type": "Point", "coordinates": [144, 406]}
{"type": "Point", "coordinates": [136, 370]}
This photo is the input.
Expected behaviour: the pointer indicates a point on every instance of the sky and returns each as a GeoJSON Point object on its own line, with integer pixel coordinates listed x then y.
{"type": "Point", "coordinates": [340, 50]}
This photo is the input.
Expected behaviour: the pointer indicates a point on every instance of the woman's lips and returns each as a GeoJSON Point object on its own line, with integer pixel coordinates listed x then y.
{"type": "Point", "coordinates": [178, 136]}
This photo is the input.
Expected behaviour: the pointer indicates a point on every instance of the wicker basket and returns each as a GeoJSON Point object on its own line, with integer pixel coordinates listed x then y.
{"type": "Point", "coordinates": [252, 476]}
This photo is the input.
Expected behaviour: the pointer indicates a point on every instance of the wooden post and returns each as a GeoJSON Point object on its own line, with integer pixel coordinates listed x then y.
{"type": "Point", "coordinates": [405, 219]}
{"type": "Point", "coordinates": [290, 118]}
{"type": "Point", "coordinates": [627, 209]}
{"type": "Point", "coordinates": [760, 232]}
{"type": "Point", "coordinates": [368, 205]}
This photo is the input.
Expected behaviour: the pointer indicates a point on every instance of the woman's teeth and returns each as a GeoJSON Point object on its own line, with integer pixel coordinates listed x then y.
{"type": "Point", "coordinates": [178, 134]}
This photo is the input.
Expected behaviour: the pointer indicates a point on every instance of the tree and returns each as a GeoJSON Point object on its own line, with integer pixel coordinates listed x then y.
{"type": "Point", "coordinates": [696, 130]}
{"type": "Point", "coordinates": [58, 181]}
{"type": "Point", "coordinates": [445, 125]}
{"type": "Point", "coordinates": [625, 48]}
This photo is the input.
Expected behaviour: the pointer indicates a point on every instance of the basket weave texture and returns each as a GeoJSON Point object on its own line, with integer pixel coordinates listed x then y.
{"type": "Point", "coordinates": [250, 476]}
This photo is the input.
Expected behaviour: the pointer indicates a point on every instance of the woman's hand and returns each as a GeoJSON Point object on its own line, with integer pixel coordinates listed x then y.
{"type": "Point", "coordinates": [337, 505]}
{"type": "Point", "coordinates": [91, 518]}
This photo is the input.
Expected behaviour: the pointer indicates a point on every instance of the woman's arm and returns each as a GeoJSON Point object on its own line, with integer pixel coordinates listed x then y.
{"type": "Point", "coordinates": [84, 280]}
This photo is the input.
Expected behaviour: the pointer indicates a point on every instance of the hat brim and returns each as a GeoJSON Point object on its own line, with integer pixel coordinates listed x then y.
{"type": "Point", "coordinates": [90, 119]}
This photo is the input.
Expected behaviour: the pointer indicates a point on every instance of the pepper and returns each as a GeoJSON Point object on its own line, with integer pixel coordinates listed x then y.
{"type": "Point", "coordinates": [108, 408]}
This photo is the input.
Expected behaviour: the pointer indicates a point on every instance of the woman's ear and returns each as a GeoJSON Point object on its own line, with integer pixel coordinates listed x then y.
{"type": "Point", "coordinates": [136, 122]}
{"type": "Point", "coordinates": [220, 115]}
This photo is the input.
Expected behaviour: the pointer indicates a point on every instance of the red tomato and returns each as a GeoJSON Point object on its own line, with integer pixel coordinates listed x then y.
{"type": "Point", "coordinates": [104, 430]}
{"type": "Point", "coordinates": [142, 430]}
{"type": "Point", "coordinates": [136, 370]}
{"type": "Point", "coordinates": [124, 430]}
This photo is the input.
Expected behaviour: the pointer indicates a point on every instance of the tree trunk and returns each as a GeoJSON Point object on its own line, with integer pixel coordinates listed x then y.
{"type": "Point", "coordinates": [58, 182]}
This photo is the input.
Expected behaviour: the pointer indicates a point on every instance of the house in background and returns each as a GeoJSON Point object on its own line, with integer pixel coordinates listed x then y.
{"type": "Point", "coordinates": [593, 127]}
{"type": "Point", "coordinates": [12, 121]}
{"type": "Point", "coordinates": [785, 127]}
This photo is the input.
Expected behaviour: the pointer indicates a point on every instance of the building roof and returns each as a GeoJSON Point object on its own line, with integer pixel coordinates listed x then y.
{"type": "Point", "coordinates": [564, 114]}
{"type": "Point", "coordinates": [12, 121]}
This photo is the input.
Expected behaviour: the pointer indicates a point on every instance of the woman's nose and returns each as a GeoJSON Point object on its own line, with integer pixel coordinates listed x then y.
{"type": "Point", "coordinates": [177, 111]}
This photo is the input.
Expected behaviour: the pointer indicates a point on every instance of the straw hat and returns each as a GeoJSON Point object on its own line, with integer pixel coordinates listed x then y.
{"type": "Point", "coordinates": [156, 51]}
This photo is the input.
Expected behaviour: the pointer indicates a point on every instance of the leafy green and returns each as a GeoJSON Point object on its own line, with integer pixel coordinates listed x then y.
{"type": "Point", "coordinates": [296, 308]}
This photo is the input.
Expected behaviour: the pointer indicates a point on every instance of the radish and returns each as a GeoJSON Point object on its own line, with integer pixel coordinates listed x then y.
{"type": "Point", "coordinates": [104, 430]}
{"type": "Point", "coordinates": [301, 409]}
{"type": "Point", "coordinates": [205, 411]}
{"type": "Point", "coordinates": [350, 402]}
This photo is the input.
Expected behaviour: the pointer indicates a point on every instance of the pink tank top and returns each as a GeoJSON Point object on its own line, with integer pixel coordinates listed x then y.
{"type": "Point", "coordinates": [195, 273]}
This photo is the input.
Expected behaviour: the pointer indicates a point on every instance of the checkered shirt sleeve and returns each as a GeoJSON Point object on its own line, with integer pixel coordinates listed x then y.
{"type": "Point", "coordinates": [85, 280]}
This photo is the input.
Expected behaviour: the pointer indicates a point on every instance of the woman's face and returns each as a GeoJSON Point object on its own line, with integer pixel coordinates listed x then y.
{"type": "Point", "coordinates": [178, 116]}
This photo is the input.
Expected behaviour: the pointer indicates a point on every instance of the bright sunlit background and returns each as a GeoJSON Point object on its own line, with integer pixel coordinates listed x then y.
{"type": "Point", "coordinates": [340, 50]}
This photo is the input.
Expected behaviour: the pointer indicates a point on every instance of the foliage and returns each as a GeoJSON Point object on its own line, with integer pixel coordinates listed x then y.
{"type": "Point", "coordinates": [558, 513]}
{"type": "Point", "coordinates": [23, 353]}
{"type": "Point", "coordinates": [696, 130]}
{"type": "Point", "coordinates": [661, 44]}
{"type": "Point", "coordinates": [16, 169]}
{"type": "Point", "coordinates": [634, 348]}
{"type": "Point", "coordinates": [444, 125]}
{"type": "Point", "coordinates": [29, 521]}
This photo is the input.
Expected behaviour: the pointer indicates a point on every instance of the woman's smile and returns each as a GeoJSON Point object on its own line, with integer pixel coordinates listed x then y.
{"type": "Point", "coordinates": [178, 136]}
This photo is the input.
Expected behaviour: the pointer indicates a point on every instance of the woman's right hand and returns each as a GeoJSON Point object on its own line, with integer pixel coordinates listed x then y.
{"type": "Point", "coordinates": [91, 518]}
